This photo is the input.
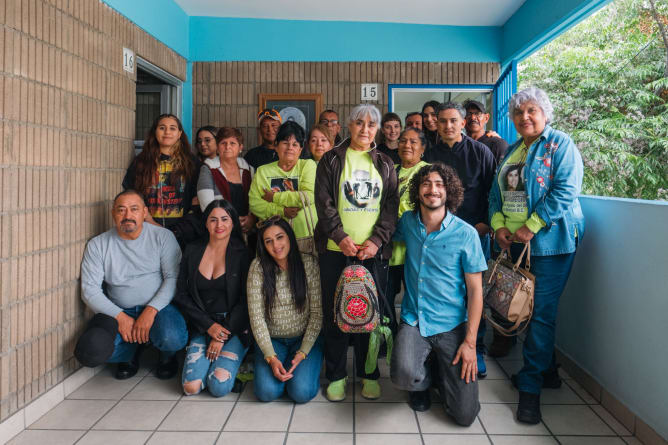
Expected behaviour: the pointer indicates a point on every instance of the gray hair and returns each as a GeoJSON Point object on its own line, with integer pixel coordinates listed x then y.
{"type": "Point", "coordinates": [451, 106]}
{"type": "Point", "coordinates": [535, 95]}
{"type": "Point", "coordinates": [363, 110]}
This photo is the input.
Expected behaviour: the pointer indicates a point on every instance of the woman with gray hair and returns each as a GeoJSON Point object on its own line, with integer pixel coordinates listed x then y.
{"type": "Point", "coordinates": [541, 209]}
{"type": "Point", "coordinates": [357, 203]}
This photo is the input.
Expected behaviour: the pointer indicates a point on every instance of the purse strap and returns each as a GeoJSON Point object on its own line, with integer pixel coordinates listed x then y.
{"type": "Point", "coordinates": [527, 264]}
{"type": "Point", "coordinates": [308, 214]}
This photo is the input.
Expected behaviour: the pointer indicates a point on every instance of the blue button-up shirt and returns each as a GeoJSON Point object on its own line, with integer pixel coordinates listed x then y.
{"type": "Point", "coordinates": [435, 298]}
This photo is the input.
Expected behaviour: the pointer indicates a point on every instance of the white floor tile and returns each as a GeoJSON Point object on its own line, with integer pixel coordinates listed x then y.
{"type": "Point", "coordinates": [135, 415]}
{"type": "Point", "coordinates": [499, 418]}
{"type": "Point", "coordinates": [580, 391]}
{"type": "Point", "coordinates": [388, 392]}
{"type": "Point", "coordinates": [180, 438]}
{"type": "Point", "coordinates": [115, 437]}
{"type": "Point", "coordinates": [152, 388]}
{"type": "Point", "coordinates": [260, 416]}
{"type": "Point", "coordinates": [523, 440]}
{"type": "Point", "coordinates": [320, 438]}
{"type": "Point", "coordinates": [387, 439]}
{"type": "Point", "coordinates": [437, 421]}
{"type": "Point", "coordinates": [50, 437]}
{"type": "Point", "coordinates": [322, 417]}
{"type": "Point", "coordinates": [574, 420]}
{"type": "Point", "coordinates": [73, 415]}
{"type": "Point", "coordinates": [454, 439]}
{"type": "Point", "coordinates": [104, 387]}
{"type": "Point", "coordinates": [197, 416]}
{"type": "Point", "coordinates": [561, 396]}
{"type": "Point", "coordinates": [497, 391]}
{"type": "Point", "coordinates": [494, 370]}
{"type": "Point", "coordinates": [579, 440]}
{"type": "Point", "coordinates": [394, 418]}
{"type": "Point", "coordinates": [250, 438]}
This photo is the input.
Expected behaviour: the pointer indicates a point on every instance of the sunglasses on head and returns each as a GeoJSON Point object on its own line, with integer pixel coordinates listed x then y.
{"type": "Point", "coordinates": [270, 113]}
{"type": "Point", "coordinates": [268, 222]}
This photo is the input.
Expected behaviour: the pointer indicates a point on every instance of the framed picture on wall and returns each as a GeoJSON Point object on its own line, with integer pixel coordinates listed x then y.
{"type": "Point", "coordinates": [301, 108]}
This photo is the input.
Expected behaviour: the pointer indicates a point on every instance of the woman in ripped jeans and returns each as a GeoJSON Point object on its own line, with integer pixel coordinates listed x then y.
{"type": "Point", "coordinates": [211, 293]}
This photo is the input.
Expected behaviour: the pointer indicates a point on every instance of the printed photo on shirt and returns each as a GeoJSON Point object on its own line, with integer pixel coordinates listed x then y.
{"type": "Point", "coordinates": [513, 177]}
{"type": "Point", "coordinates": [284, 184]}
{"type": "Point", "coordinates": [361, 190]}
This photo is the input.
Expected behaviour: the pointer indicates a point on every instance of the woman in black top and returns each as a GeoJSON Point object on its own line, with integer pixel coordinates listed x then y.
{"type": "Point", "coordinates": [390, 127]}
{"type": "Point", "coordinates": [429, 118]}
{"type": "Point", "coordinates": [211, 293]}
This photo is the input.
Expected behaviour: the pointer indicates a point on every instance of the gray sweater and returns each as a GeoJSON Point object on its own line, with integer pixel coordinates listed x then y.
{"type": "Point", "coordinates": [117, 274]}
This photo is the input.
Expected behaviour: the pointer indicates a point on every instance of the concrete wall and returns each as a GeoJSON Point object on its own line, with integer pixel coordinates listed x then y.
{"type": "Point", "coordinates": [613, 317]}
{"type": "Point", "coordinates": [226, 93]}
{"type": "Point", "coordinates": [66, 130]}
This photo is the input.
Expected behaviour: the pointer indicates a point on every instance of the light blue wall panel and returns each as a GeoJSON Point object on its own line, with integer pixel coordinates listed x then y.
{"type": "Point", "coordinates": [613, 316]}
{"type": "Point", "coordinates": [163, 19]}
{"type": "Point", "coordinates": [234, 39]}
{"type": "Point", "coordinates": [539, 21]}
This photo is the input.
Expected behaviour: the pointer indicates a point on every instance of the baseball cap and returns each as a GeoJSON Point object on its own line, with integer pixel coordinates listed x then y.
{"type": "Point", "coordinates": [470, 103]}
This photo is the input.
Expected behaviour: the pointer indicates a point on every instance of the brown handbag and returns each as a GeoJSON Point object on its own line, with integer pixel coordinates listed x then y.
{"type": "Point", "coordinates": [508, 292]}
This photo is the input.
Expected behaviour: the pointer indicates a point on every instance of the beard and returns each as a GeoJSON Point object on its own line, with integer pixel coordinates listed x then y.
{"type": "Point", "coordinates": [430, 206]}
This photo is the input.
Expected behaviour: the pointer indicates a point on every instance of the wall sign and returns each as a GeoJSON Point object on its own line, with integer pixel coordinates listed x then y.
{"type": "Point", "coordinates": [128, 60]}
{"type": "Point", "coordinates": [369, 91]}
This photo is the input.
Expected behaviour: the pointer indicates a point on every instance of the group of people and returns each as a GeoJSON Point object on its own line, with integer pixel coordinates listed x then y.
{"type": "Point", "coordinates": [219, 253]}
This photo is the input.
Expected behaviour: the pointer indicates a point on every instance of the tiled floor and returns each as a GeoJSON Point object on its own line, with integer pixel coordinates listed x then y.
{"type": "Point", "coordinates": [145, 410]}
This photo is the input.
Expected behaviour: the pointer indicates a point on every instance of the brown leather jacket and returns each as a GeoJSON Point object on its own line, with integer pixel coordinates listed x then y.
{"type": "Point", "coordinates": [328, 177]}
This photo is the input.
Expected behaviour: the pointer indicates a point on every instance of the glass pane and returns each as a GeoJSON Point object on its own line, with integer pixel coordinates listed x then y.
{"type": "Point", "coordinates": [408, 101]}
{"type": "Point", "coordinates": [148, 108]}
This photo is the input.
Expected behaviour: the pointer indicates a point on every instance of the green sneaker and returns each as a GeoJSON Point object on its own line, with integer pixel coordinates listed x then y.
{"type": "Point", "coordinates": [370, 389]}
{"type": "Point", "coordinates": [336, 391]}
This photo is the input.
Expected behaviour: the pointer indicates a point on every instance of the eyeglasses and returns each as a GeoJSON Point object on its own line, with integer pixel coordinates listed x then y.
{"type": "Point", "coordinates": [268, 222]}
{"type": "Point", "coordinates": [328, 121]}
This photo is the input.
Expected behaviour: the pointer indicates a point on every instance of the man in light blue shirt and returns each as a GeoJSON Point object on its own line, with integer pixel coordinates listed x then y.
{"type": "Point", "coordinates": [128, 279]}
{"type": "Point", "coordinates": [443, 276]}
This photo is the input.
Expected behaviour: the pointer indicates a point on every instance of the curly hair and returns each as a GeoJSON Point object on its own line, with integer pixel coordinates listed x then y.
{"type": "Point", "coordinates": [454, 191]}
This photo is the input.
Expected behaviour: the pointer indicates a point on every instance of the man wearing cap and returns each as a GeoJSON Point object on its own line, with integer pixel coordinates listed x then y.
{"type": "Point", "coordinates": [128, 279]}
{"type": "Point", "coordinates": [330, 119]}
{"type": "Point", "coordinates": [268, 121]}
{"type": "Point", "coordinates": [476, 120]}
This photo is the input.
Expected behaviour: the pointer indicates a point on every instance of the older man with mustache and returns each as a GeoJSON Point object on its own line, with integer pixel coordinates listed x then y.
{"type": "Point", "coordinates": [128, 279]}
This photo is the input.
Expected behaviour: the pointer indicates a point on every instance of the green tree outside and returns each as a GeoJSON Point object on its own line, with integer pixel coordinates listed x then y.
{"type": "Point", "coordinates": [608, 81]}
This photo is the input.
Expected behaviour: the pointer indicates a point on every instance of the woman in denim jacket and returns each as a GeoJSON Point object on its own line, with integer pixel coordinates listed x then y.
{"type": "Point", "coordinates": [540, 207]}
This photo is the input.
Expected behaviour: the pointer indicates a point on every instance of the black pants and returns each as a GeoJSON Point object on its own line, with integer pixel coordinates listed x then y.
{"type": "Point", "coordinates": [336, 342]}
{"type": "Point", "coordinates": [394, 280]}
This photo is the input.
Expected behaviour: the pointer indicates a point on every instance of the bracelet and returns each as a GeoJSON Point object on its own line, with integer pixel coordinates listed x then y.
{"type": "Point", "coordinates": [302, 353]}
{"type": "Point", "coordinates": [268, 359]}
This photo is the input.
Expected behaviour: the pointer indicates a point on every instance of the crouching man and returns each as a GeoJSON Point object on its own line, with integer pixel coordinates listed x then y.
{"type": "Point", "coordinates": [128, 278]}
{"type": "Point", "coordinates": [443, 268]}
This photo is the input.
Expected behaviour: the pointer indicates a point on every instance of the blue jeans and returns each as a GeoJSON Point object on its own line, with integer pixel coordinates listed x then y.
{"type": "Point", "coordinates": [551, 274]}
{"type": "Point", "coordinates": [305, 381]}
{"type": "Point", "coordinates": [219, 375]}
{"type": "Point", "coordinates": [168, 334]}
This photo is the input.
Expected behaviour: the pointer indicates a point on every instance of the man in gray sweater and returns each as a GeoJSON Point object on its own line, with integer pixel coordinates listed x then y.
{"type": "Point", "coordinates": [128, 278]}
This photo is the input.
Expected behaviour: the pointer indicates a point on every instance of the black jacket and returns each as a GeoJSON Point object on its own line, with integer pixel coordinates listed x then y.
{"type": "Point", "coordinates": [327, 183]}
{"type": "Point", "coordinates": [189, 302]}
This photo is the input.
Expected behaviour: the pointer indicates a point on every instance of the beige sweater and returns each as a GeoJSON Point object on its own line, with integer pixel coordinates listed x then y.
{"type": "Point", "coordinates": [286, 321]}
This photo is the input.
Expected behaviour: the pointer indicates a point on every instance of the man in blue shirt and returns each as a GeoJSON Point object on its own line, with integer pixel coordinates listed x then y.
{"type": "Point", "coordinates": [444, 261]}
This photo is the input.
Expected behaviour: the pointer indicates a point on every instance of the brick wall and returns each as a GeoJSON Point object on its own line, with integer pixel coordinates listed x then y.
{"type": "Point", "coordinates": [226, 93]}
{"type": "Point", "coordinates": [66, 130]}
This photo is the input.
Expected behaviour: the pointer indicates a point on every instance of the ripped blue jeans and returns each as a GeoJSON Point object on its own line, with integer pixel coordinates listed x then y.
{"type": "Point", "coordinates": [218, 375]}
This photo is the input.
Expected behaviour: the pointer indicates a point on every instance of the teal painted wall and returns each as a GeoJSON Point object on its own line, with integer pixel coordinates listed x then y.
{"type": "Point", "coordinates": [539, 21]}
{"type": "Point", "coordinates": [163, 19]}
{"type": "Point", "coordinates": [234, 39]}
{"type": "Point", "coordinates": [613, 316]}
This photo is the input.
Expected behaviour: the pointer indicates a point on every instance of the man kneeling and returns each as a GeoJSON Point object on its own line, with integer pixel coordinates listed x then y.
{"type": "Point", "coordinates": [128, 278]}
{"type": "Point", "coordinates": [444, 261]}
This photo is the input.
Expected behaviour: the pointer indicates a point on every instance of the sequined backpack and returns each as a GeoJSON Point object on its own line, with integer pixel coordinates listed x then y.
{"type": "Point", "coordinates": [356, 305]}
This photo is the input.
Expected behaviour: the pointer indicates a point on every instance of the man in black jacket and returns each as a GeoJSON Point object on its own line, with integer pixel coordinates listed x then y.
{"type": "Point", "coordinates": [476, 121]}
{"type": "Point", "coordinates": [268, 122]}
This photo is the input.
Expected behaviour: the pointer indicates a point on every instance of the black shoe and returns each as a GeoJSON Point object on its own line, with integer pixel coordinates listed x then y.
{"type": "Point", "coordinates": [551, 379]}
{"type": "Point", "coordinates": [500, 346]}
{"type": "Point", "coordinates": [528, 410]}
{"type": "Point", "coordinates": [125, 370]}
{"type": "Point", "coordinates": [167, 367]}
{"type": "Point", "coordinates": [419, 400]}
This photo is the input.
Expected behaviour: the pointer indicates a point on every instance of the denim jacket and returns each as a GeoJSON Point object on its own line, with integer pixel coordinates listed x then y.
{"type": "Point", "coordinates": [553, 180]}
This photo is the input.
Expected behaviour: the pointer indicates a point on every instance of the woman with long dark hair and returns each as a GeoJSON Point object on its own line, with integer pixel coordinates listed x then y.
{"type": "Point", "coordinates": [429, 118]}
{"type": "Point", "coordinates": [285, 315]}
{"type": "Point", "coordinates": [165, 173]}
{"type": "Point", "coordinates": [211, 294]}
